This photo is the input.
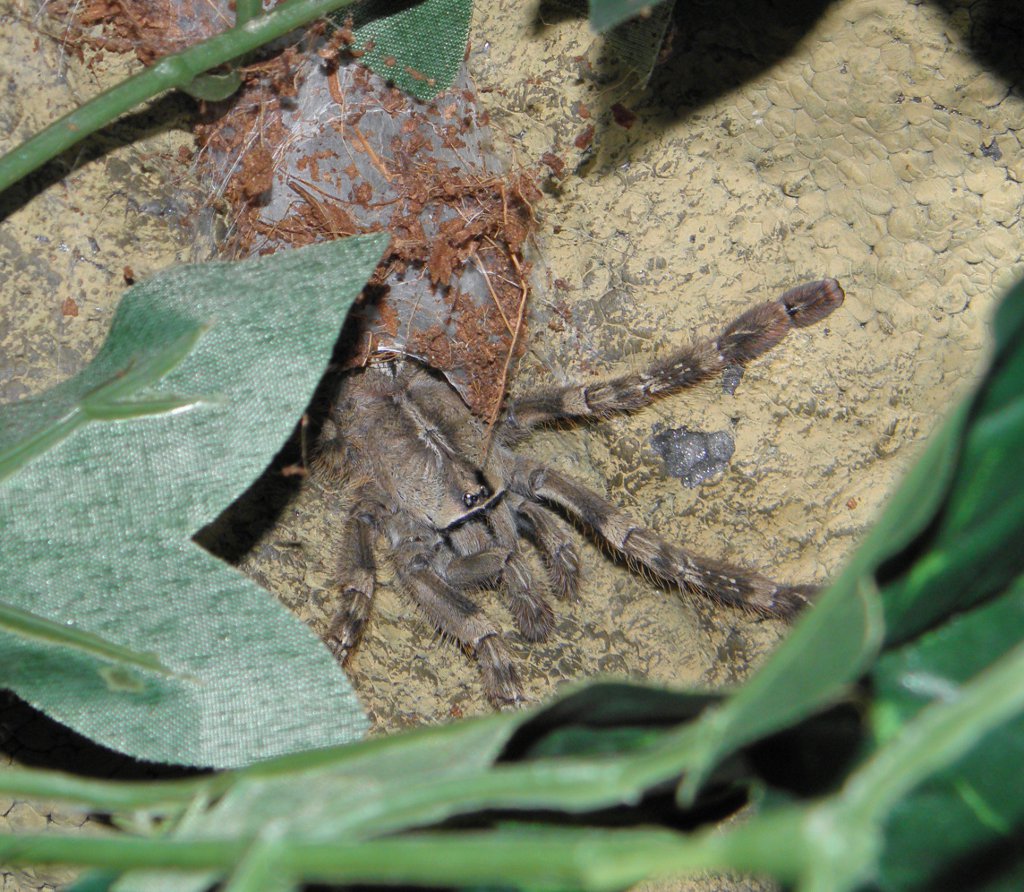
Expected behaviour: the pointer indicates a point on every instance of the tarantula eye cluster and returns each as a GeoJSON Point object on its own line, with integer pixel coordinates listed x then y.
{"type": "Point", "coordinates": [407, 454]}
{"type": "Point", "coordinates": [474, 498]}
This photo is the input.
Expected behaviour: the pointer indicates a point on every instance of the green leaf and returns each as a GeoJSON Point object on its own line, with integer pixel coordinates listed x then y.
{"type": "Point", "coordinates": [94, 881]}
{"type": "Point", "coordinates": [948, 538]}
{"type": "Point", "coordinates": [201, 380]}
{"type": "Point", "coordinates": [338, 815]}
{"type": "Point", "coordinates": [828, 650]}
{"type": "Point", "coordinates": [848, 829]}
{"type": "Point", "coordinates": [214, 87]}
{"type": "Point", "coordinates": [605, 14]}
{"type": "Point", "coordinates": [347, 793]}
{"type": "Point", "coordinates": [420, 47]}
{"type": "Point", "coordinates": [976, 804]}
{"type": "Point", "coordinates": [30, 627]}
{"type": "Point", "coordinates": [972, 549]}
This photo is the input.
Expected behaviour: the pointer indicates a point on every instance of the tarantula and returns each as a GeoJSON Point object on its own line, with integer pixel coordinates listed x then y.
{"type": "Point", "coordinates": [452, 501]}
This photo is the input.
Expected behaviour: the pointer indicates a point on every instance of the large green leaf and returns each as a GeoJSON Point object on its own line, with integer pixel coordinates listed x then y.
{"type": "Point", "coordinates": [978, 802]}
{"type": "Point", "coordinates": [339, 815]}
{"type": "Point", "coordinates": [830, 648]}
{"type": "Point", "coordinates": [973, 547]}
{"type": "Point", "coordinates": [202, 378]}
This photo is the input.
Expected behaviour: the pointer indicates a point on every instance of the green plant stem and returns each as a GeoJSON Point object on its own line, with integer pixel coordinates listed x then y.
{"type": "Point", "coordinates": [832, 845]}
{"type": "Point", "coordinates": [589, 859]}
{"type": "Point", "coordinates": [108, 796]}
{"type": "Point", "coordinates": [845, 834]}
{"type": "Point", "coordinates": [176, 71]}
{"type": "Point", "coordinates": [575, 785]}
{"type": "Point", "coordinates": [114, 400]}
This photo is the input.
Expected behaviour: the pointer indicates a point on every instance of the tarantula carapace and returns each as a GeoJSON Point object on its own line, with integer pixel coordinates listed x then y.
{"type": "Point", "coordinates": [452, 501]}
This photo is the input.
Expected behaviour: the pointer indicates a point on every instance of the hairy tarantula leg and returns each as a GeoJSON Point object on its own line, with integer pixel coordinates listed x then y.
{"type": "Point", "coordinates": [531, 611]}
{"type": "Point", "coordinates": [752, 334]}
{"type": "Point", "coordinates": [455, 615]}
{"type": "Point", "coordinates": [475, 571]}
{"type": "Point", "coordinates": [356, 570]}
{"type": "Point", "coordinates": [720, 582]}
{"type": "Point", "coordinates": [560, 554]}
{"type": "Point", "coordinates": [527, 597]}
{"type": "Point", "coordinates": [526, 600]}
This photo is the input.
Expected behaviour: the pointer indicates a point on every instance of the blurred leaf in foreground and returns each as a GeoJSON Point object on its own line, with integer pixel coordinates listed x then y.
{"type": "Point", "coordinates": [977, 805]}
{"type": "Point", "coordinates": [972, 546]}
{"type": "Point", "coordinates": [949, 537]}
{"type": "Point", "coordinates": [337, 816]}
{"type": "Point", "coordinates": [202, 378]}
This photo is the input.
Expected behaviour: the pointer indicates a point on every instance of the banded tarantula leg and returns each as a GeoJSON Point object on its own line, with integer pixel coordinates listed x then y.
{"type": "Point", "coordinates": [475, 571]}
{"type": "Point", "coordinates": [752, 334]}
{"type": "Point", "coordinates": [555, 544]}
{"type": "Point", "coordinates": [723, 583]}
{"type": "Point", "coordinates": [527, 596]}
{"type": "Point", "coordinates": [357, 575]}
{"type": "Point", "coordinates": [506, 569]}
{"type": "Point", "coordinates": [455, 615]}
{"type": "Point", "coordinates": [530, 610]}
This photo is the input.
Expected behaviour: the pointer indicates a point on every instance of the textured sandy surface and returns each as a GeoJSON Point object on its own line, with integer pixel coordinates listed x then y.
{"type": "Point", "coordinates": [878, 151]}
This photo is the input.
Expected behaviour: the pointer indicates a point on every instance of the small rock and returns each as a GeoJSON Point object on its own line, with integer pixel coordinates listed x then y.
{"type": "Point", "coordinates": [693, 456]}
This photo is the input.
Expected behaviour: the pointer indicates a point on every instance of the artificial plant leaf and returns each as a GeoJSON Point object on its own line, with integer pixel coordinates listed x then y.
{"type": "Point", "coordinates": [603, 716]}
{"type": "Point", "coordinates": [951, 512]}
{"type": "Point", "coordinates": [419, 46]}
{"type": "Point", "coordinates": [973, 547]}
{"type": "Point", "coordinates": [215, 87]}
{"type": "Point", "coordinates": [388, 785]}
{"type": "Point", "coordinates": [847, 833]}
{"type": "Point", "coordinates": [829, 649]}
{"type": "Point", "coordinates": [605, 14]}
{"type": "Point", "coordinates": [29, 626]}
{"type": "Point", "coordinates": [831, 845]}
{"type": "Point", "coordinates": [199, 383]}
{"type": "Point", "coordinates": [340, 794]}
{"type": "Point", "coordinates": [93, 881]}
{"type": "Point", "coordinates": [979, 803]}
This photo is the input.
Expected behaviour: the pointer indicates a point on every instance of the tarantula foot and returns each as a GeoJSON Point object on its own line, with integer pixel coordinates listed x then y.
{"type": "Point", "coordinates": [338, 648]}
{"type": "Point", "coordinates": [348, 623]}
{"type": "Point", "coordinates": [812, 302]}
{"type": "Point", "coordinates": [501, 681]}
{"type": "Point", "coordinates": [761, 328]}
{"type": "Point", "coordinates": [789, 600]}
{"type": "Point", "coordinates": [564, 568]}
{"type": "Point", "coordinates": [534, 617]}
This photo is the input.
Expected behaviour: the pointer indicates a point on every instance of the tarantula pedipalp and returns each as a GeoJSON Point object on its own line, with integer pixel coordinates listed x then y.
{"type": "Point", "coordinates": [452, 504]}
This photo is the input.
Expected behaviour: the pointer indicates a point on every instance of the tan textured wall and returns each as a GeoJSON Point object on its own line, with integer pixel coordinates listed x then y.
{"type": "Point", "coordinates": [878, 150]}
